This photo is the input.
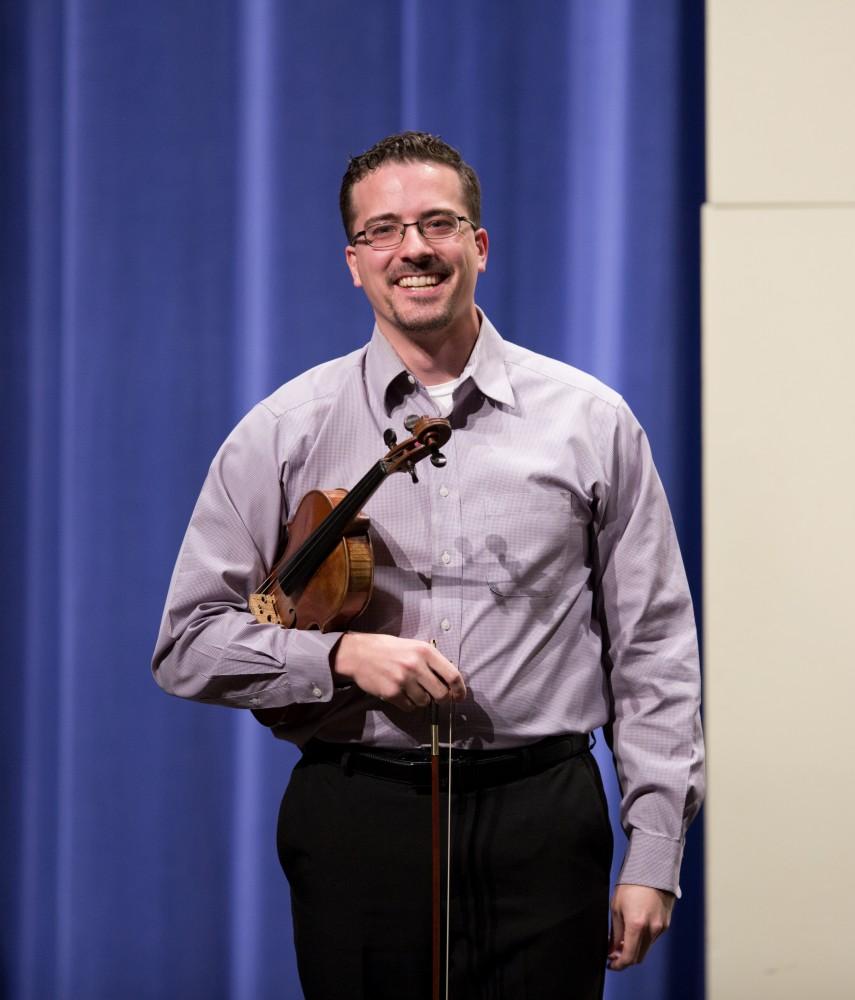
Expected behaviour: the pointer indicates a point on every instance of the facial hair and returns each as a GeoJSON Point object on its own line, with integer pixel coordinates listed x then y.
{"type": "Point", "coordinates": [425, 324]}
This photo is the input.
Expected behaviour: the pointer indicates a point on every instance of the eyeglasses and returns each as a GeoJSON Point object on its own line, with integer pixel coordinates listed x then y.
{"type": "Point", "coordinates": [387, 234]}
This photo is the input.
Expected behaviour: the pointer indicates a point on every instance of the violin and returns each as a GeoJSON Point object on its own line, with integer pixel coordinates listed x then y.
{"type": "Point", "coordinates": [324, 577]}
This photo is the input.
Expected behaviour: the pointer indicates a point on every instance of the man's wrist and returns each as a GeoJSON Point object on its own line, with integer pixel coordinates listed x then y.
{"type": "Point", "coordinates": [340, 675]}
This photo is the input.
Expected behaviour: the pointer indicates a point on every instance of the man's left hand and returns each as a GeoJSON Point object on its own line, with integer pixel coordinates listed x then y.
{"type": "Point", "coordinates": [639, 915]}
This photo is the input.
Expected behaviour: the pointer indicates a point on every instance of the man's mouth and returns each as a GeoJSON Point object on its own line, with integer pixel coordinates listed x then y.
{"type": "Point", "coordinates": [419, 280]}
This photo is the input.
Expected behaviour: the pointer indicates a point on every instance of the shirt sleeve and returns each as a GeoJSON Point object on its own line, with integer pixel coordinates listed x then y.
{"type": "Point", "coordinates": [210, 647]}
{"type": "Point", "coordinates": [651, 654]}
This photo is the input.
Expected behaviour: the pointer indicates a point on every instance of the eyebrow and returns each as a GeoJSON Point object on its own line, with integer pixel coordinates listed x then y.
{"type": "Point", "coordinates": [394, 217]}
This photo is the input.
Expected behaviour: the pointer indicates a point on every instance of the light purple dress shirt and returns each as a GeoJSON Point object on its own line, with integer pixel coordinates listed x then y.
{"type": "Point", "coordinates": [542, 559]}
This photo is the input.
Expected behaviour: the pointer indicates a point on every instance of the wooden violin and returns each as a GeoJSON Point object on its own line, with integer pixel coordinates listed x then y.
{"type": "Point", "coordinates": [324, 577]}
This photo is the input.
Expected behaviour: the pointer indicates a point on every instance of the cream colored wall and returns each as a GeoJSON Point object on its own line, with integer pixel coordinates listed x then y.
{"type": "Point", "coordinates": [779, 513]}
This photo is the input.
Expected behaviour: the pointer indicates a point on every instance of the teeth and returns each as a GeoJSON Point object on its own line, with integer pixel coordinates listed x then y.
{"type": "Point", "coordinates": [418, 280]}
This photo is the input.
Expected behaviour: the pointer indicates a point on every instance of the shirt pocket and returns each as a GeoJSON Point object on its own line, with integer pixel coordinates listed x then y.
{"type": "Point", "coordinates": [526, 543]}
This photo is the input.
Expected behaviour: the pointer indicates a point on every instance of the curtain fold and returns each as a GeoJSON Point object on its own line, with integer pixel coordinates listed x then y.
{"type": "Point", "coordinates": [171, 251]}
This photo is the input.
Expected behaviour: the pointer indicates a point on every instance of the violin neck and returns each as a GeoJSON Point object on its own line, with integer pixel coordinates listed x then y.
{"type": "Point", "coordinates": [306, 560]}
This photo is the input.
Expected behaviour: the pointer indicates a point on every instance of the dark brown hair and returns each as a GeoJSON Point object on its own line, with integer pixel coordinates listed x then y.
{"type": "Point", "coordinates": [409, 147]}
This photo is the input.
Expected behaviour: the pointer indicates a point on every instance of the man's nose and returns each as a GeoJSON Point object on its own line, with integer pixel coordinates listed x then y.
{"type": "Point", "coordinates": [414, 242]}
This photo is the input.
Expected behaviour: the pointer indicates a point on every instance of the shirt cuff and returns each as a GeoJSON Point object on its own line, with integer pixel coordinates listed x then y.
{"type": "Point", "coordinates": [653, 861]}
{"type": "Point", "coordinates": [307, 667]}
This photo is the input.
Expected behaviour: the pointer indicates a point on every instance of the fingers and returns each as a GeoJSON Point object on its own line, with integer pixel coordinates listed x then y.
{"type": "Point", "coordinates": [639, 915]}
{"type": "Point", "coordinates": [450, 680]}
{"type": "Point", "coordinates": [615, 939]}
{"type": "Point", "coordinates": [406, 673]}
{"type": "Point", "coordinates": [425, 676]}
{"type": "Point", "coordinates": [631, 947]}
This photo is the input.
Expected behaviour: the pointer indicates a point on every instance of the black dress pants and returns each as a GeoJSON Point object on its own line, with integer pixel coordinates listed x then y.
{"type": "Point", "coordinates": [530, 863]}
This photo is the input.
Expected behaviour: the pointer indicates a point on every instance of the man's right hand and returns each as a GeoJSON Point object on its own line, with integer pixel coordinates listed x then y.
{"type": "Point", "coordinates": [405, 672]}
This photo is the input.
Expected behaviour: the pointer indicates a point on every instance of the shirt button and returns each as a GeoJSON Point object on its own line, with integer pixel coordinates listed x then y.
{"type": "Point", "coordinates": [254, 701]}
{"type": "Point", "coordinates": [445, 624]}
{"type": "Point", "coordinates": [316, 691]}
{"type": "Point", "coordinates": [446, 558]}
{"type": "Point", "coordinates": [443, 491]}
{"type": "Point", "coordinates": [411, 380]}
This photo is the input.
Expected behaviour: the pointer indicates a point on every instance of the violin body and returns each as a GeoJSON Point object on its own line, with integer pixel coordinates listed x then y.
{"type": "Point", "coordinates": [339, 589]}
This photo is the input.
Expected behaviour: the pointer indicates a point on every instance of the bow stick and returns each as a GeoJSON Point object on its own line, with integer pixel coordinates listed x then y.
{"type": "Point", "coordinates": [435, 851]}
{"type": "Point", "coordinates": [436, 857]}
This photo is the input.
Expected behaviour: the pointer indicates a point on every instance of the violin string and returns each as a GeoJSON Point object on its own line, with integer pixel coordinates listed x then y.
{"type": "Point", "coordinates": [393, 461]}
{"type": "Point", "coordinates": [318, 545]}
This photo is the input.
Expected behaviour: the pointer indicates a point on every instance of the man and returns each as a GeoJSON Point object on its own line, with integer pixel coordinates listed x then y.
{"type": "Point", "coordinates": [541, 561]}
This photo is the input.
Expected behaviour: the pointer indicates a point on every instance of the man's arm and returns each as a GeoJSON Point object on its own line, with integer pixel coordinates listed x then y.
{"type": "Point", "coordinates": [210, 647]}
{"type": "Point", "coordinates": [651, 657]}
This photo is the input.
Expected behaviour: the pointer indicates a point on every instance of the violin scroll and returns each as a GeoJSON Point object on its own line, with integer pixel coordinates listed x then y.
{"type": "Point", "coordinates": [429, 434]}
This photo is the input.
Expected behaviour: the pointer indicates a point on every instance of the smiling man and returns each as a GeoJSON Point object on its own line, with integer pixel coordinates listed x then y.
{"type": "Point", "coordinates": [532, 587]}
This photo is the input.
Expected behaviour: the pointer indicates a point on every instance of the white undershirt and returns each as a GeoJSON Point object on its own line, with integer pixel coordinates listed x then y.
{"type": "Point", "coordinates": [443, 393]}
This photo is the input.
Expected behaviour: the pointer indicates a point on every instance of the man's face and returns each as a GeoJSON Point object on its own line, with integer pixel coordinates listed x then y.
{"type": "Point", "coordinates": [405, 192]}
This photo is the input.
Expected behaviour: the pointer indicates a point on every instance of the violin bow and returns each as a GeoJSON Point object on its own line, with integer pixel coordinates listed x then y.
{"type": "Point", "coordinates": [435, 846]}
{"type": "Point", "coordinates": [448, 857]}
{"type": "Point", "coordinates": [436, 854]}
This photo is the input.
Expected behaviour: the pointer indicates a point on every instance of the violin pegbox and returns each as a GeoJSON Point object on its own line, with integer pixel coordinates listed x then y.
{"type": "Point", "coordinates": [428, 435]}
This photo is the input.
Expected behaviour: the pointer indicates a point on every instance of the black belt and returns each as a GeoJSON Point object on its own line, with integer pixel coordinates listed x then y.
{"type": "Point", "coordinates": [470, 768]}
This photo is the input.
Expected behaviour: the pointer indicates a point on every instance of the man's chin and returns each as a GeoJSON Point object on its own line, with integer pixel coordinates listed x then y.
{"type": "Point", "coordinates": [423, 325]}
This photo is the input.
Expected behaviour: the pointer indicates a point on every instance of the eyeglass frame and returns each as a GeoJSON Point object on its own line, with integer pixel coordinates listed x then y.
{"type": "Point", "coordinates": [419, 222]}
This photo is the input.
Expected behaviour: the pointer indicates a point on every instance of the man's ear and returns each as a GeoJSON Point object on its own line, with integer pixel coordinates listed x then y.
{"type": "Point", "coordinates": [353, 264]}
{"type": "Point", "coordinates": [482, 242]}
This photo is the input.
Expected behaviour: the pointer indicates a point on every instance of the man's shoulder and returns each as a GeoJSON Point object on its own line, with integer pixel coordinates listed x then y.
{"type": "Point", "coordinates": [317, 385]}
{"type": "Point", "coordinates": [544, 369]}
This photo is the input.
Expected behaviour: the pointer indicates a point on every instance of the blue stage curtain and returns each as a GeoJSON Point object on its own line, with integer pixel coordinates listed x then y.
{"type": "Point", "coordinates": [170, 252]}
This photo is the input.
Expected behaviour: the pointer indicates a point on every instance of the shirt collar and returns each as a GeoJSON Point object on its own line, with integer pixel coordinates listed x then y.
{"type": "Point", "coordinates": [486, 366]}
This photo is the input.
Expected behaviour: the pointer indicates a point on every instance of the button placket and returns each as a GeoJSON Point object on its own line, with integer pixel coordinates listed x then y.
{"type": "Point", "coordinates": [446, 533]}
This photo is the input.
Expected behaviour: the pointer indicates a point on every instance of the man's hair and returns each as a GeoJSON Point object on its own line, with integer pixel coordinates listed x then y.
{"type": "Point", "coordinates": [409, 147]}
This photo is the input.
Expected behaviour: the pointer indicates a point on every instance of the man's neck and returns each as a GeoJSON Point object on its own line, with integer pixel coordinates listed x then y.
{"type": "Point", "coordinates": [435, 356]}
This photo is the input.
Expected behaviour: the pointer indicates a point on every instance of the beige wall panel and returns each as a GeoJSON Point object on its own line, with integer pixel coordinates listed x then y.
{"type": "Point", "coordinates": [779, 550]}
{"type": "Point", "coordinates": [781, 100]}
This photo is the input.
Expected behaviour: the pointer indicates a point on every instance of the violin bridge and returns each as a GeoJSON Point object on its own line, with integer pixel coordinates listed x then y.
{"type": "Point", "coordinates": [263, 606]}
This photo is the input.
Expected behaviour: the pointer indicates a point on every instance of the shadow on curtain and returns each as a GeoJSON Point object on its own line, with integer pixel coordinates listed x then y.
{"type": "Point", "coordinates": [170, 253]}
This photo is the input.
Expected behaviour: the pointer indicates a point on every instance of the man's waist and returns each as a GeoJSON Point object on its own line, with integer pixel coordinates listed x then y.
{"type": "Point", "coordinates": [469, 768]}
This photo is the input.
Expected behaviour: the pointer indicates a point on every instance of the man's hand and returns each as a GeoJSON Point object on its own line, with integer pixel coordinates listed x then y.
{"type": "Point", "coordinates": [639, 915]}
{"type": "Point", "coordinates": [405, 672]}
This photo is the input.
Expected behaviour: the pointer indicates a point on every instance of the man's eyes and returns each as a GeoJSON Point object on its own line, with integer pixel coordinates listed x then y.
{"type": "Point", "coordinates": [383, 229]}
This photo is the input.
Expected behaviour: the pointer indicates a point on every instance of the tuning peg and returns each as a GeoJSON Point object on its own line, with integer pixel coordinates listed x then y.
{"type": "Point", "coordinates": [390, 437]}
{"type": "Point", "coordinates": [411, 421]}
{"type": "Point", "coordinates": [413, 474]}
{"type": "Point", "coordinates": [437, 458]}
